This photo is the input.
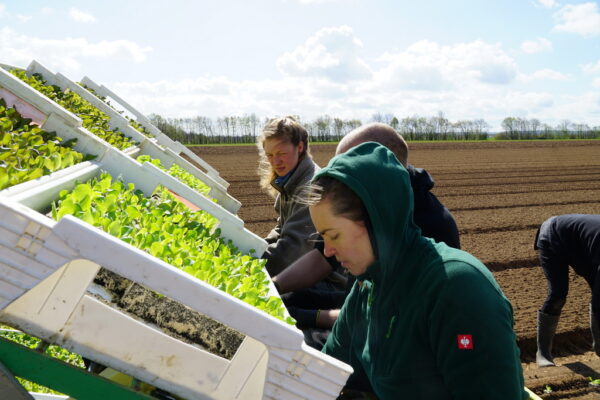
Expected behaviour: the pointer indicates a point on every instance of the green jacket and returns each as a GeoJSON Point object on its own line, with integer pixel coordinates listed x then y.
{"type": "Point", "coordinates": [425, 321]}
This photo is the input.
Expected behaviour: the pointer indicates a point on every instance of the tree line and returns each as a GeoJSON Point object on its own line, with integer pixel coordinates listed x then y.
{"type": "Point", "coordinates": [245, 129]}
{"type": "Point", "coordinates": [523, 128]}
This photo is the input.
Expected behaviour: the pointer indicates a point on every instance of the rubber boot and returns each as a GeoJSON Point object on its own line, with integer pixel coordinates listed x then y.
{"type": "Point", "coordinates": [595, 328]}
{"type": "Point", "coordinates": [545, 334]}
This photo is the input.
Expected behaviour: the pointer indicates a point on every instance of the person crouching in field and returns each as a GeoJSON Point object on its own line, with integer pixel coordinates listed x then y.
{"type": "Point", "coordinates": [563, 240]}
{"type": "Point", "coordinates": [285, 167]}
{"type": "Point", "coordinates": [314, 307]}
{"type": "Point", "coordinates": [423, 320]}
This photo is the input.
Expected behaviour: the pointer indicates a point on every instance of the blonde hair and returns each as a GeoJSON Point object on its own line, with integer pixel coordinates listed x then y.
{"type": "Point", "coordinates": [287, 128]}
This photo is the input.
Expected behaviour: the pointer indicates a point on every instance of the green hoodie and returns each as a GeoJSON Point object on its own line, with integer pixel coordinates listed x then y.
{"type": "Point", "coordinates": [425, 321]}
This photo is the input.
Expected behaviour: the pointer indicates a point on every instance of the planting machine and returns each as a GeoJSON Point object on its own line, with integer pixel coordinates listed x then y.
{"type": "Point", "coordinates": [47, 269]}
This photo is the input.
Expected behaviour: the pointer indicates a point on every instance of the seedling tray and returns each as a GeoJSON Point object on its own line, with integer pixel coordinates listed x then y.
{"type": "Point", "coordinates": [163, 139]}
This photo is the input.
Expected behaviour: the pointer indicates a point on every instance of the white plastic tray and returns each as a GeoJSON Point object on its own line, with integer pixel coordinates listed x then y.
{"type": "Point", "coordinates": [59, 260]}
{"type": "Point", "coordinates": [118, 163]}
{"type": "Point", "coordinates": [154, 147]}
{"type": "Point", "coordinates": [163, 139]}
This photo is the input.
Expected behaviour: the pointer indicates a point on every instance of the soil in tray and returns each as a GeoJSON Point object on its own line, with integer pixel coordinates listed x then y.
{"type": "Point", "coordinates": [169, 315]}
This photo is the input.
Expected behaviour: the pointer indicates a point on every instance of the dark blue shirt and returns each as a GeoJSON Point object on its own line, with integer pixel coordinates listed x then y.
{"type": "Point", "coordinates": [573, 239]}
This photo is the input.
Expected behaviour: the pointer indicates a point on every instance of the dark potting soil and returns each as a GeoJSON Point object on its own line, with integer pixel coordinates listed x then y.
{"type": "Point", "coordinates": [174, 318]}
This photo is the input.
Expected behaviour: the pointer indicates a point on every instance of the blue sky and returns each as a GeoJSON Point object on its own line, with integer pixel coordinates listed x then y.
{"type": "Point", "coordinates": [469, 59]}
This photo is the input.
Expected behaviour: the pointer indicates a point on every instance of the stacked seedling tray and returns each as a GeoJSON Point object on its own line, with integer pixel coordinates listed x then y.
{"type": "Point", "coordinates": [142, 120]}
{"type": "Point", "coordinates": [156, 144]}
{"type": "Point", "coordinates": [47, 268]}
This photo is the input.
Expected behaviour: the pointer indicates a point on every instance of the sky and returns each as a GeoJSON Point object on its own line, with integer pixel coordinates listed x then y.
{"type": "Point", "coordinates": [350, 59]}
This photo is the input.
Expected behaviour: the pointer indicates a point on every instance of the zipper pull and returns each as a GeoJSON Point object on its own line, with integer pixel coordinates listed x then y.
{"type": "Point", "coordinates": [371, 294]}
{"type": "Point", "coordinates": [389, 331]}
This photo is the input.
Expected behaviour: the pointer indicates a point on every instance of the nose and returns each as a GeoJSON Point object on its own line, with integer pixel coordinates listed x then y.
{"type": "Point", "coordinates": [328, 251]}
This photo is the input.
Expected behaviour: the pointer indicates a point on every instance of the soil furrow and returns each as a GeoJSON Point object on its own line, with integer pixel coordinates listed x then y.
{"type": "Point", "coordinates": [499, 194]}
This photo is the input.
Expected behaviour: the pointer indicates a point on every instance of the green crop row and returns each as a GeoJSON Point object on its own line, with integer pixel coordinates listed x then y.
{"type": "Point", "coordinates": [139, 127]}
{"type": "Point", "coordinates": [28, 152]}
{"type": "Point", "coordinates": [93, 119]}
{"type": "Point", "coordinates": [27, 168]}
{"type": "Point", "coordinates": [179, 173]}
{"type": "Point", "coordinates": [168, 230]}
{"type": "Point", "coordinates": [132, 122]}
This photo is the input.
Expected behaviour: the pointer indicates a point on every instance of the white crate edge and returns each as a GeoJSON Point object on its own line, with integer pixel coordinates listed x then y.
{"type": "Point", "coordinates": [36, 99]}
{"type": "Point", "coordinates": [91, 244]}
{"type": "Point", "coordinates": [148, 145]}
{"type": "Point", "coordinates": [118, 163]}
{"type": "Point", "coordinates": [145, 122]}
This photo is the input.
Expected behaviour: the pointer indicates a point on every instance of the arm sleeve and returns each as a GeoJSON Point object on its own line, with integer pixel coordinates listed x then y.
{"type": "Point", "coordinates": [472, 337]}
{"type": "Point", "coordinates": [292, 242]}
{"type": "Point", "coordinates": [338, 342]}
{"type": "Point", "coordinates": [273, 236]}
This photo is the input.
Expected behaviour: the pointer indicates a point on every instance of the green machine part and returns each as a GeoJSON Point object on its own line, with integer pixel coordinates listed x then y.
{"type": "Point", "coordinates": [47, 371]}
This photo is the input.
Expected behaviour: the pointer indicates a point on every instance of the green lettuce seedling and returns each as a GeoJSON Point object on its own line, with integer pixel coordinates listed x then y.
{"type": "Point", "coordinates": [168, 230]}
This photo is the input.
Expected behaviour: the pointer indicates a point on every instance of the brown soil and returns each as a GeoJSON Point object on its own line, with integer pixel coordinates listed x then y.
{"type": "Point", "coordinates": [499, 194]}
{"type": "Point", "coordinates": [169, 315]}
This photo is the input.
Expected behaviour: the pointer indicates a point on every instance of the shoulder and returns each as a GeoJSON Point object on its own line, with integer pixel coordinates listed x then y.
{"type": "Point", "coordinates": [305, 171]}
{"type": "Point", "coordinates": [465, 276]}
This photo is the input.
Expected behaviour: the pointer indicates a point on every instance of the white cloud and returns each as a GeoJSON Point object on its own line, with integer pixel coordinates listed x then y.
{"type": "Point", "coordinates": [310, 97]}
{"type": "Point", "coordinates": [546, 74]}
{"type": "Point", "coordinates": [547, 3]}
{"type": "Point", "coordinates": [591, 67]}
{"type": "Point", "coordinates": [46, 10]}
{"type": "Point", "coordinates": [536, 46]}
{"type": "Point", "coordinates": [583, 19]}
{"type": "Point", "coordinates": [427, 65]}
{"type": "Point", "coordinates": [304, 2]}
{"type": "Point", "coordinates": [2, 10]}
{"type": "Point", "coordinates": [596, 83]}
{"type": "Point", "coordinates": [465, 80]}
{"type": "Point", "coordinates": [23, 18]}
{"type": "Point", "coordinates": [66, 54]}
{"type": "Point", "coordinates": [81, 16]}
{"type": "Point", "coordinates": [330, 53]}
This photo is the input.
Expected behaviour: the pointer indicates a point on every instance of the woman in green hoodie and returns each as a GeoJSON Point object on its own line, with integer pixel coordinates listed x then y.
{"type": "Point", "coordinates": [423, 320]}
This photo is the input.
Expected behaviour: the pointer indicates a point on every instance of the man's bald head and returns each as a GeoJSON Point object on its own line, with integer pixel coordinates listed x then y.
{"type": "Point", "coordinates": [376, 132]}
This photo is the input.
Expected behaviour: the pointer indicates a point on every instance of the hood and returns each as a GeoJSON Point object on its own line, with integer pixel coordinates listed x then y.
{"type": "Point", "coordinates": [420, 179]}
{"type": "Point", "coordinates": [383, 184]}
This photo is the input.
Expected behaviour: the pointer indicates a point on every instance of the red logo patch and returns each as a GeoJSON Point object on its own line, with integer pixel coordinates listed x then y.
{"type": "Point", "coordinates": [465, 342]}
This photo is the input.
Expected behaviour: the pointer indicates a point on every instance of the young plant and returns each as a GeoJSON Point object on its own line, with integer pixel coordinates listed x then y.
{"type": "Point", "coordinates": [168, 230]}
{"type": "Point", "coordinates": [28, 152]}
{"type": "Point", "coordinates": [93, 119]}
{"type": "Point", "coordinates": [179, 173]}
{"type": "Point", "coordinates": [133, 123]}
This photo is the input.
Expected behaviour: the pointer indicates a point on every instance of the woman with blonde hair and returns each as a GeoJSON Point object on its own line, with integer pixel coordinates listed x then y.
{"type": "Point", "coordinates": [286, 166]}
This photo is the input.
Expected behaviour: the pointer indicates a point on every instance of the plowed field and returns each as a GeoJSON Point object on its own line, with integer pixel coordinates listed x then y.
{"type": "Point", "coordinates": [499, 194]}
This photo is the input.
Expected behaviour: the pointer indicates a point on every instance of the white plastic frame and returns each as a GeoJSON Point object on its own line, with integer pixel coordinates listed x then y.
{"type": "Point", "coordinates": [118, 163]}
{"type": "Point", "coordinates": [163, 139]}
{"type": "Point", "coordinates": [272, 363]}
{"type": "Point", "coordinates": [153, 147]}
